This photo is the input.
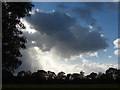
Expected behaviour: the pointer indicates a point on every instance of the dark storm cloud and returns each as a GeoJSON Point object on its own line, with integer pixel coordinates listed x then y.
{"type": "Point", "coordinates": [60, 32]}
{"type": "Point", "coordinates": [52, 24]}
{"type": "Point", "coordinates": [94, 6]}
{"type": "Point", "coordinates": [113, 6]}
{"type": "Point", "coordinates": [86, 12]}
{"type": "Point", "coordinates": [61, 6]}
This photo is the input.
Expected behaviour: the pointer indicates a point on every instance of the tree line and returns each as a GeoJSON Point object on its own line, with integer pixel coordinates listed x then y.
{"type": "Point", "coordinates": [111, 75]}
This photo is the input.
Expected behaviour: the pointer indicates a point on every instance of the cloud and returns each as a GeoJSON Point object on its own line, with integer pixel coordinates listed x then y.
{"type": "Point", "coordinates": [94, 54]}
{"type": "Point", "coordinates": [109, 57]}
{"type": "Point", "coordinates": [117, 52]}
{"type": "Point", "coordinates": [91, 27]}
{"type": "Point", "coordinates": [95, 6]}
{"type": "Point", "coordinates": [36, 59]}
{"type": "Point", "coordinates": [105, 50]}
{"type": "Point", "coordinates": [60, 33]}
{"type": "Point", "coordinates": [61, 6]}
{"type": "Point", "coordinates": [54, 39]}
{"type": "Point", "coordinates": [113, 6]}
{"type": "Point", "coordinates": [89, 67]}
{"type": "Point", "coordinates": [117, 43]}
{"type": "Point", "coordinates": [86, 13]}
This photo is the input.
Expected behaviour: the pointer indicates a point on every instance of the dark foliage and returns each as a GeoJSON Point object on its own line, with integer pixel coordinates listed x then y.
{"type": "Point", "coordinates": [12, 38]}
{"type": "Point", "coordinates": [112, 75]}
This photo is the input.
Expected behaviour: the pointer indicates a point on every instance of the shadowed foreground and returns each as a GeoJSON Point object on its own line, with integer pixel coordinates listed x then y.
{"type": "Point", "coordinates": [85, 86]}
{"type": "Point", "coordinates": [42, 79]}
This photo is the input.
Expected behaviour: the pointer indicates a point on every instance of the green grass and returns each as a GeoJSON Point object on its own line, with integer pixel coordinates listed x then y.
{"type": "Point", "coordinates": [61, 86]}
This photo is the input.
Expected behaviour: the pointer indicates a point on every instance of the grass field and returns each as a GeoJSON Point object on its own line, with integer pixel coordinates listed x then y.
{"type": "Point", "coordinates": [61, 86]}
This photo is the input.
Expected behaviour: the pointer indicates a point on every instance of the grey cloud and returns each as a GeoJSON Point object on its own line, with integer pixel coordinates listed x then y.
{"type": "Point", "coordinates": [52, 24]}
{"type": "Point", "coordinates": [95, 6]}
{"type": "Point", "coordinates": [61, 33]}
{"type": "Point", "coordinates": [43, 41]}
{"type": "Point", "coordinates": [61, 6]}
{"type": "Point", "coordinates": [113, 6]}
{"type": "Point", "coordinates": [85, 14]}
{"type": "Point", "coordinates": [98, 6]}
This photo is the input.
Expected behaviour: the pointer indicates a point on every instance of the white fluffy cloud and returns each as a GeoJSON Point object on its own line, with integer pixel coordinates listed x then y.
{"type": "Point", "coordinates": [117, 52]}
{"type": "Point", "coordinates": [94, 54]}
{"type": "Point", "coordinates": [35, 59]}
{"type": "Point", "coordinates": [105, 50]}
{"type": "Point", "coordinates": [89, 66]}
{"type": "Point", "coordinates": [109, 57]}
{"type": "Point", "coordinates": [117, 45]}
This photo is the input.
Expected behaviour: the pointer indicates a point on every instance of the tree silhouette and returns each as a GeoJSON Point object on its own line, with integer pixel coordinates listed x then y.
{"type": "Point", "coordinates": [111, 73]}
{"type": "Point", "coordinates": [12, 39]}
{"type": "Point", "coordinates": [82, 76]}
{"type": "Point", "coordinates": [100, 74]}
{"type": "Point", "coordinates": [61, 75]}
{"type": "Point", "coordinates": [49, 77]}
{"type": "Point", "coordinates": [76, 76]}
{"type": "Point", "coordinates": [21, 74]}
{"type": "Point", "coordinates": [69, 77]}
{"type": "Point", "coordinates": [41, 74]}
{"type": "Point", "coordinates": [93, 75]}
{"type": "Point", "coordinates": [118, 74]}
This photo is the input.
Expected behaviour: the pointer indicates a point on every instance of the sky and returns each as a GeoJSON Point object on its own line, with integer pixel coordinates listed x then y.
{"type": "Point", "coordinates": [71, 37]}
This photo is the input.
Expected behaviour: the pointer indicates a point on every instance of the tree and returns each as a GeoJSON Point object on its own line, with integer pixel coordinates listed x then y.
{"type": "Point", "coordinates": [118, 74]}
{"type": "Point", "coordinates": [51, 75]}
{"type": "Point", "coordinates": [111, 73]}
{"type": "Point", "coordinates": [82, 76]}
{"type": "Point", "coordinates": [12, 38]}
{"type": "Point", "coordinates": [93, 75]}
{"type": "Point", "coordinates": [61, 75]}
{"type": "Point", "coordinates": [99, 76]}
{"type": "Point", "coordinates": [76, 76]}
{"type": "Point", "coordinates": [21, 74]}
{"type": "Point", "coordinates": [69, 77]}
{"type": "Point", "coordinates": [41, 74]}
